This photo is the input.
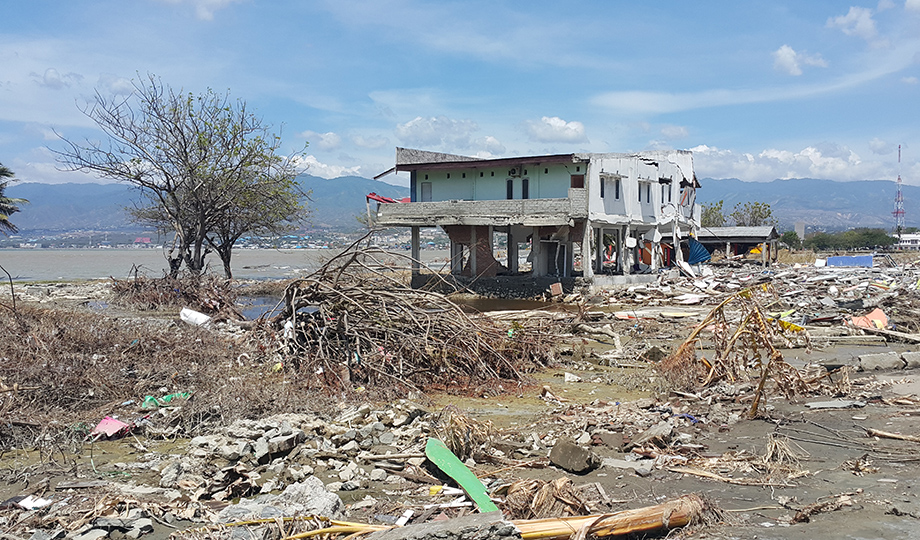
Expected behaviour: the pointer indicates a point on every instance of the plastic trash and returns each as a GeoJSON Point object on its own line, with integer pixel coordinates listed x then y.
{"type": "Point", "coordinates": [151, 402]}
{"type": "Point", "coordinates": [194, 318]}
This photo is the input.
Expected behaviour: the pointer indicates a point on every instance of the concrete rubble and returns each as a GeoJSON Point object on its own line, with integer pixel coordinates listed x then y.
{"type": "Point", "coordinates": [367, 460]}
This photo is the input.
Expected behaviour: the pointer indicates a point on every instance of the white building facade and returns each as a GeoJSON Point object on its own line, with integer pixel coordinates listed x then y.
{"type": "Point", "coordinates": [587, 214]}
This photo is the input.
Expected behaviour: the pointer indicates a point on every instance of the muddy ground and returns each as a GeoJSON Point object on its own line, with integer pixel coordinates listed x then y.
{"type": "Point", "coordinates": [873, 481]}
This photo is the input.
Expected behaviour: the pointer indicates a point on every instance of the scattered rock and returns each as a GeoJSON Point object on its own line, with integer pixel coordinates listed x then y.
{"type": "Point", "coordinates": [573, 458]}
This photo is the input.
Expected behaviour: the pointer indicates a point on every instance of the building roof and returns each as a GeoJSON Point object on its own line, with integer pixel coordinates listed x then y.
{"type": "Point", "coordinates": [408, 159]}
{"type": "Point", "coordinates": [737, 234]}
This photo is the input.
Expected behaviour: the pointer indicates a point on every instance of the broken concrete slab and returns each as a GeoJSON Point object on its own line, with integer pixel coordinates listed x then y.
{"type": "Point", "coordinates": [911, 359]}
{"type": "Point", "coordinates": [641, 468]}
{"type": "Point", "coordinates": [836, 404]}
{"type": "Point", "coordinates": [881, 361]}
{"type": "Point", "coordinates": [573, 458]}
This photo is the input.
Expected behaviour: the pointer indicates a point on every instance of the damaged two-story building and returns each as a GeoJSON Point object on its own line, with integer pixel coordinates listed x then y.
{"type": "Point", "coordinates": [597, 216]}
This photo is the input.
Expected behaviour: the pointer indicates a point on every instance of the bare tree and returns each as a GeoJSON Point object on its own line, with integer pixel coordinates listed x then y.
{"type": "Point", "coordinates": [199, 163]}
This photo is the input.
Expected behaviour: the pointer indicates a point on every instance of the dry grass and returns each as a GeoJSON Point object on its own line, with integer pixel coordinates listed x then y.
{"type": "Point", "coordinates": [205, 293]}
{"type": "Point", "coordinates": [800, 256]}
{"type": "Point", "coordinates": [71, 368]}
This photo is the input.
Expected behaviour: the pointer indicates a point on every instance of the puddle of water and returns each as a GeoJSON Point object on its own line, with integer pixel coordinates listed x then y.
{"type": "Point", "coordinates": [256, 306]}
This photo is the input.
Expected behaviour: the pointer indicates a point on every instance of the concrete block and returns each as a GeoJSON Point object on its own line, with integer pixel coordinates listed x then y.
{"type": "Point", "coordinates": [881, 361]}
{"type": "Point", "coordinates": [912, 359]}
{"type": "Point", "coordinates": [573, 458]}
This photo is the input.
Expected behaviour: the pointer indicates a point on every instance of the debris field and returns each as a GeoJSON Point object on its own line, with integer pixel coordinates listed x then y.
{"type": "Point", "coordinates": [735, 402]}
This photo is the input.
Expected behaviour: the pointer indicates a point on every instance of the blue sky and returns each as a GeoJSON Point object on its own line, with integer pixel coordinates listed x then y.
{"type": "Point", "coordinates": [757, 89]}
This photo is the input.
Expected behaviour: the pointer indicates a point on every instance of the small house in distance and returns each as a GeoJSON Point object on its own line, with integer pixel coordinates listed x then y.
{"type": "Point", "coordinates": [601, 217]}
{"type": "Point", "coordinates": [740, 240]}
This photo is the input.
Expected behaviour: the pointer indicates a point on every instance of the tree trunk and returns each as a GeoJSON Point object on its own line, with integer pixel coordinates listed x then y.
{"type": "Point", "coordinates": [225, 253]}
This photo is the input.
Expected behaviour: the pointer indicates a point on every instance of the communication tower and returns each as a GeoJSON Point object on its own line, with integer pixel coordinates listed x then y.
{"type": "Point", "coordinates": [899, 202]}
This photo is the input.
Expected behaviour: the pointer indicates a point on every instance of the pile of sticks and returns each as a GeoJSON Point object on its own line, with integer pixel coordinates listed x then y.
{"type": "Point", "coordinates": [355, 323]}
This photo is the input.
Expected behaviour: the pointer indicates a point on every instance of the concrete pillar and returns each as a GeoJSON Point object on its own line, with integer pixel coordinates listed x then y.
{"type": "Point", "coordinates": [538, 265]}
{"type": "Point", "coordinates": [675, 239]}
{"type": "Point", "coordinates": [456, 258]}
{"type": "Point", "coordinates": [568, 262]}
{"type": "Point", "coordinates": [728, 249]}
{"type": "Point", "coordinates": [416, 251]}
{"type": "Point", "coordinates": [587, 262]}
{"type": "Point", "coordinates": [512, 251]}
{"type": "Point", "coordinates": [599, 250]}
{"type": "Point", "coordinates": [625, 259]}
{"type": "Point", "coordinates": [474, 244]}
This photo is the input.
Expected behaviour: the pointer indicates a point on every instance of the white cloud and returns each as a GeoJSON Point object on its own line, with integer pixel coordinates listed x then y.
{"type": "Point", "coordinates": [323, 141]}
{"type": "Point", "coordinates": [635, 103]}
{"type": "Point", "coordinates": [857, 22]}
{"type": "Point", "coordinates": [674, 132]}
{"type": "Point", "coordinates": [115, 85]}
{"type": "Point", "coordinates": [205, 9]}
{"type": "Point", "coordinates": [910, 80]}
{"type": "Point", "coordinates": [787, 60]}
{"type": "Point", "coordinates": [491, 145]}
{"type": "Point", "coordinates": [885, 5]}
{"type": "Point", "coordinates": [372, 143]}
{"type": "Point", "coordinates": [54, 80]}
{"type": "Point", "coordinates": [912, 5]}
{"type": "Point", "coordinates": [880, 147]}
{"type": "Point", "coordinates": [555, 129]}
{"type": "Point", "coordinates": [311, 165]}
{"type": "Point", "coordinates": [824, 161]}
{"type": "Point", "coordinates": [437, 132]}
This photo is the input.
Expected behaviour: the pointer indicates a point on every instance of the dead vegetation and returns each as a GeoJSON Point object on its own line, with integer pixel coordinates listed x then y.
{"type": "Point", "coordinates": [206, 293]}
{"type": "Point", "coordinates": [66, 367]}
{"type": "Point", "coordinates": [744, 342]}
{"type": "Point", "coordinates": [354, 323]}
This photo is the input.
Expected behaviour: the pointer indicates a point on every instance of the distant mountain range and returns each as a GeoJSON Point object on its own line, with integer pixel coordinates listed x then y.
{"type": "Point", "coordinates": [821, 204]}
{"type": "Point", "coordinates": [69, 207]}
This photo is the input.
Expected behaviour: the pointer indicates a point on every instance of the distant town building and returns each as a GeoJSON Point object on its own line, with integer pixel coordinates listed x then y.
{"type": "Point", "coordinates": [908, 241]}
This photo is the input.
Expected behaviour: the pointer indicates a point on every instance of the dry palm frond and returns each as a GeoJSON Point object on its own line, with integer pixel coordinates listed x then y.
{"type": "Point", "coordinates": [537, 499]}
{"type": "Point", "coordinates": [465, 436]}
{"type": "Point", "coordinates": [744, 343]}
{"type": "Point", "coordinates": [780, 458]}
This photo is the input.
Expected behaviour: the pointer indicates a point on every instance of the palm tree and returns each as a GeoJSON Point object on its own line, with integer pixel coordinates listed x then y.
{"type": "Point", "coordinates": [8, 205]}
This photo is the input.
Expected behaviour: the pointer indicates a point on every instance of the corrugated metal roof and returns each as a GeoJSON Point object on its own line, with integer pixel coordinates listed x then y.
{"type": "Point", "coordinates": [754, 233]}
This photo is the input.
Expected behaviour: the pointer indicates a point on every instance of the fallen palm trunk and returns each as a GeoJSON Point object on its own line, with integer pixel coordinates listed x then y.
{"type": "Point", "coordinates": [660, 518]}
{"type": "Point", "coordinates": [888, 435]}
{"type": "Point", "coordinates": [651, 519]}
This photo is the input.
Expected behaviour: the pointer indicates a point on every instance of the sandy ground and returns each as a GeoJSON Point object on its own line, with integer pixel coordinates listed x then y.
{"type": "Point", "coordinates": [876, 481]}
